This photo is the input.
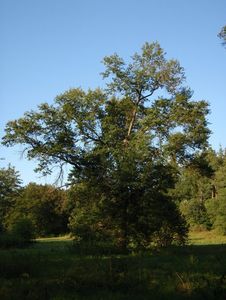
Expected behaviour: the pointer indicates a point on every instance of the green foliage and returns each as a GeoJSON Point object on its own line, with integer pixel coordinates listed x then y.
{"type": "Point", "coordinates": [44, 205]}
{"type": "Point", "coordinates": [173, 229]}
{"type": "Point", "coordinates": [86, 221]}
{"type": "Point", "coordinates": [215, 158]}
{"type": "Point", "coordinates": [192, 185]}
{"type": "Point", "coordinates": [220, 223]}
{"type": "Point", "coordinates": [222, 35]}
{"type": "Point", "coordinates": [194, 180]}
{"type": "Point", "coordinates": [123, 144]}
{"type": "Point", "coordinates": [87, 227]}
{"type": "Point", "coordinates": [20, 234]}
{"type": "Point", "coordinates": [24, 229]}
{"type": "Point", "coordinates": [217, 209]}
{"type": "Point", "coordinates": [10, 186]}
{"type": "Point", "coordinates": [195, 213]}
{"type": "Point", "coordinates": [201, 191]}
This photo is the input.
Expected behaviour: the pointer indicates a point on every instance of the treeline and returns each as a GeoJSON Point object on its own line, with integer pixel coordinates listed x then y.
{"type": "Point", "coordinates": [45, 210]}
{"type": "Point", "coordinates": [29, 212]}
{"type": "Point", "coordinates": [201, 192]}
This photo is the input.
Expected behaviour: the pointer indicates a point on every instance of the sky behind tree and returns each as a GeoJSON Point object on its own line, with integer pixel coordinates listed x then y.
{"type": "Point", "coordinates": [49, 46]}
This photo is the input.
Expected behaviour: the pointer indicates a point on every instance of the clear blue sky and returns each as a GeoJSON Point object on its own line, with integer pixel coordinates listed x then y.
{"type": "Point", "coordinates": [48, 46]}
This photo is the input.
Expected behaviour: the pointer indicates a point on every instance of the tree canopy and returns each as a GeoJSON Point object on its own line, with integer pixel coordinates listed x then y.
{"type": "Point", "coordinates": [81, 121]}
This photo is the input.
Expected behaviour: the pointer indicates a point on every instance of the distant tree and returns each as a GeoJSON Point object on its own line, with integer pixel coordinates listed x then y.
{"type": "Point", "coordinates": [216, 207]}
{"type": "Point", "coordinates": [44, 205]}
{"type": "Point", "coordinates": [122, 143]}
{"type": "Point", "coordinates": [215, 158]}
{"type": "Point", "coordinates": [222, 35]}
{"type": "Point", "coordinates": [193, 188]}
{"type": "Point", "coordinates": [10, 186]}
{"type": "Point", "coordinates": [192, 185]}
{"type": "Point", "coordinates": [196, 214]}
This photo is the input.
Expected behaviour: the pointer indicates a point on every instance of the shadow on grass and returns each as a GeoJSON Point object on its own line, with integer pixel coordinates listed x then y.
{"type": "Point", "coordinates": [51, 270]}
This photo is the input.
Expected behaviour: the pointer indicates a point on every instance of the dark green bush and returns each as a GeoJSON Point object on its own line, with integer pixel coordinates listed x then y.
{"type": "Point", "coordinates": [8, 240]}
{"type": "Point", "coordinates": [20, 234]}
{"type": "Point", "coordinates": [23, 229]}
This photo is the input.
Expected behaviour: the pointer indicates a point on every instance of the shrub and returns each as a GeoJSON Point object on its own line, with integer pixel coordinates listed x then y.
{"type": "Point", "coordinates": [171, 233]}
{"type": "Point", "coordinates": [20, 234]}
{"type": "Point", "coordinates": [8, 240]}
{"type": "Point", "coordinates": [87, 226]}
{"type": "Point", "coordinates": [23, 229]}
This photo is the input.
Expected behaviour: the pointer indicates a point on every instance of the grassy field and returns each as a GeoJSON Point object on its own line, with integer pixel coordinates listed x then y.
{"type": "Point", "coordinates": [54, 269]}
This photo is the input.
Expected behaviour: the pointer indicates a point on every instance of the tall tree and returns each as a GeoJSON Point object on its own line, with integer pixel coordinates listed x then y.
{"type": "Point", "coordinates": [124, 142]}
{"type": "Point", "coordinates": [10, 185]}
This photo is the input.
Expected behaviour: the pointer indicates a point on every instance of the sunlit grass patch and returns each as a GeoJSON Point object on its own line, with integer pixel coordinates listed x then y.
{"type": "Point", "coordinates": [55, 239]}
{"type": "Point", "coordinates": [206, 238]}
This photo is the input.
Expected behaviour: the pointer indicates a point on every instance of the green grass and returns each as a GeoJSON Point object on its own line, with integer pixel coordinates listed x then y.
{"type": "Point", "coordinates": [206, 238]}
{"type": "Point", "coordinates": [51, 269]}
{"type": "Point", "coordinates": [65, 238]}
